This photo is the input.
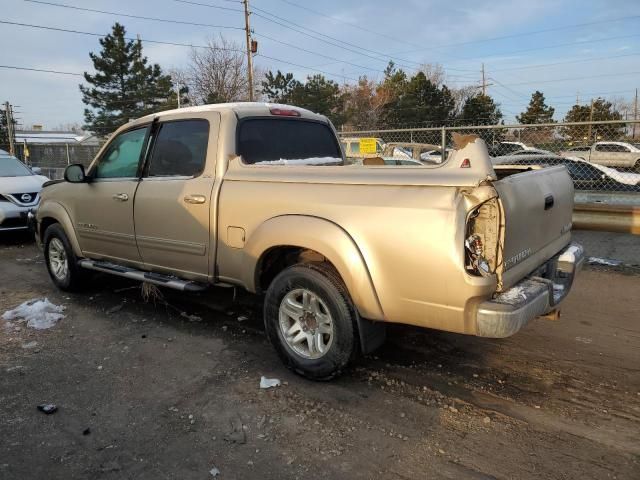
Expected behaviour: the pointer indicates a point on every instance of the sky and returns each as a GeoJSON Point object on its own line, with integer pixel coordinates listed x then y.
{"type": "Point", "coordinates": [567, 49]}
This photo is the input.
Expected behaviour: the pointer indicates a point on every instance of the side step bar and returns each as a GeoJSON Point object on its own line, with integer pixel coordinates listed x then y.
{"type": "Point", "coordinates": [151, 277]}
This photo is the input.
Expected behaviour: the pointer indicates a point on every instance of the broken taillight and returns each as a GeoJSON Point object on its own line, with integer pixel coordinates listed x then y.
{"type": "Point", "coordinates": [481, 242]}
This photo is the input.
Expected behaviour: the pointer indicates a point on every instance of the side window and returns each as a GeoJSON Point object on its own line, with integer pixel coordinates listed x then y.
{"type": "Point", "coordinates": [180, 149]}
{"type": "Point", "coordinates": [121, 158]}
{"type": "Point", "coordinates": [609, 147]}
{"type": "Point", "coordinates": [355, 147]}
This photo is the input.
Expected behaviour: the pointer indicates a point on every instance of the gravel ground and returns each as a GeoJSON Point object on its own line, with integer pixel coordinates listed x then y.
{"type": "Point", "coordinates": [146, 392]}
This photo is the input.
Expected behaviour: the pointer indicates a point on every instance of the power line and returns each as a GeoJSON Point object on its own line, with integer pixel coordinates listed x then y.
{"type": "Point", "coordinates": [540, 65]}
{"type": "Point", "coordinates": [354, 25]}
{"type": "Point", "coordinates": [140, 17]}
{"type": "Point", "coordinates": [574, 78]}
{"type": "Point", "coordinates": [306, 67]}
{"type": "Point", "coordinates": [13, 67]}
{"type": "Point", "coordinates": [126, 38]}
{"type": "Point", "coordinates": [524, 34]}
{"type": "Point", "coordinates": [315, 53]}
{"type": "Point", "coordinates": [212, 6]}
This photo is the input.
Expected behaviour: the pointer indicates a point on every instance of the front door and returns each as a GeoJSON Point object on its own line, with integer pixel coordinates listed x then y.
{"type": "Point", "coordinates": [103, 208]}
{"type": "Point", "coordinates": [173, 202]}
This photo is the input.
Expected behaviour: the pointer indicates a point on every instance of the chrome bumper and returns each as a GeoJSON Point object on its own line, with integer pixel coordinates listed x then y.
{"type": "Point", "coordinates": [536, 295]}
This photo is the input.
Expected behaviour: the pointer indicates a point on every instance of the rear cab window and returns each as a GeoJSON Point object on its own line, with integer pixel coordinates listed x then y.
{"type": "Point", "coordinates": [283, 141]}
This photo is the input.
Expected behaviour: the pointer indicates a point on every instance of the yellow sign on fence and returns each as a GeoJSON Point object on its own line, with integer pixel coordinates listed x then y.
{"type": "Point", "coordinates": [367, 145]}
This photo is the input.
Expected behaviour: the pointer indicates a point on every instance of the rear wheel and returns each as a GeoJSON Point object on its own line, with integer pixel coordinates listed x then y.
{"type": "Point", "coordinates": [636, 167]}
{"type": "Point", "coordinates": [311, 321]}
{"type": "Point", "coordinates": [62, 263]}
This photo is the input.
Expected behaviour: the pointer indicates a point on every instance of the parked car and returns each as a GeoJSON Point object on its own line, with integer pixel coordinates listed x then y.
{"type": "Point", "coordinates": [585, 176]}
{"type": "Point", "coordinates": [610, 154]}
{"type": "Point", "coordinates": [351, 147]}
{"type": "Point", "coordinates": [423, 152]}
{"type": "Point", "coordinates": [258, 196]}
{"type": "Point", "coordinates": [506, 148]}
{"type": "Point", "coordinates": [20, 189]}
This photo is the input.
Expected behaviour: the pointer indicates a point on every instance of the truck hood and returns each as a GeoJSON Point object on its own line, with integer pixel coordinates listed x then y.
{"type": "Point", "coordinates": [25, 184]}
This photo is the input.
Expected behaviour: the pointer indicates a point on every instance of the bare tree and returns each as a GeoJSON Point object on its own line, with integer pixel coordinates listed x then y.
{"type": "Point", "coordinates": [435, 73]}
{"type": "Point", "coordinates": [218, 73]}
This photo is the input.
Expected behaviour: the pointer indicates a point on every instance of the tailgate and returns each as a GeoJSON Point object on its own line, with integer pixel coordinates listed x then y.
{"type": "Point", "coordinates": [538, 207]}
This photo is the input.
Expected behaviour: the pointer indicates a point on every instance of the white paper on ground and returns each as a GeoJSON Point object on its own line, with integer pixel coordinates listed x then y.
{"type": "Point", "coordinates": [269, 382]}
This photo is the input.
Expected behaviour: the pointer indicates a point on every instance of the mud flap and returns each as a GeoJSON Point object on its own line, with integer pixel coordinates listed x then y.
{"type": "Point", "coordinates": [372, 334]}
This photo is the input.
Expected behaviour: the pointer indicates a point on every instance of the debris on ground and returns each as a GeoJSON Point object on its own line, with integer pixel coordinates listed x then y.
{"type": "Point", "coordinates": [31, 344]}
{"type": "Point", "coordinates": [115, 309]}
{"type": "Point", "coordinates": [243, 318]}
{"type": "Point", "coordinates": [86, 431]}
{"type": "Point", "coordinates": [237, 433]}
{"type": "Point", "coordinates": [214, 472]}
{"type": "Point", "coordinates": [39, 313]}
{"type": "Point", "coordinates": [191, 318]}
{"type": "Point", "coordinates": [269, 382]}
{"type": "Point", "coordinates": [48, 408]}
{"type": "Point", "coordinates": [604, 261]}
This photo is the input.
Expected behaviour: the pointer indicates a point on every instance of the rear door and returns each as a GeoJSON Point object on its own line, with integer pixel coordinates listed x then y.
{"type": "Point", "coordinates": [538, 208]}
{"type": "Point", "coordinates": [173, 201]}
{"type": "Point", "coordinates": [610, 154]}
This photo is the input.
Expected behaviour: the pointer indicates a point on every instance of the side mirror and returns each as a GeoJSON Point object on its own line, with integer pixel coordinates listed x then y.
{"type": "Point", "coordinates": [36, 170]}
{"type": "Point", "coordinates": [75, 173]}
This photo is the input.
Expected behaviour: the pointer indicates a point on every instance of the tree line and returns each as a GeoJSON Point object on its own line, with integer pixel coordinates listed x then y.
{"type": "Point", "coordinates": [126, 86]}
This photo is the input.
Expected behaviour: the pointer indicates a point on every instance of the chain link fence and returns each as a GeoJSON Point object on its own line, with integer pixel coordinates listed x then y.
{"type": "Point", "coordinates": [601, 157]}
{"type": "Point", "coordinates": [53, 158]}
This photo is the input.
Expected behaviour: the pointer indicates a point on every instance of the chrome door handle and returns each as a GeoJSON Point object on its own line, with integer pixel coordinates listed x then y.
{"type": "Point", "coordinates": [122, 197]}
{"type": "Point", "coordinates": [195, 199]}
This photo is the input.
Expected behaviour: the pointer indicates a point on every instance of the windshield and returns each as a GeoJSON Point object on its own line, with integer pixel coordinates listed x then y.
{"type": "Point", "coordinates": [12, 167]}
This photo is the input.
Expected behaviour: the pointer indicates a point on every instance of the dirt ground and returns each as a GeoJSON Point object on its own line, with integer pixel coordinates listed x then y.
{"type": "Point", "coordinates": [144, 392]}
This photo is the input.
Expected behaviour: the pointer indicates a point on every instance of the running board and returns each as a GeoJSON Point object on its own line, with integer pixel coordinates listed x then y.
{"type": "Point", "coordinates": [151, 277]}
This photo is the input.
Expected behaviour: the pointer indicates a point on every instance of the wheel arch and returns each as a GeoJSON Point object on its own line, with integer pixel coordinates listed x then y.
{"type": "Point", "coordinates": [53, 212]}
{"type": "Point", "coordinates": [286, 238]}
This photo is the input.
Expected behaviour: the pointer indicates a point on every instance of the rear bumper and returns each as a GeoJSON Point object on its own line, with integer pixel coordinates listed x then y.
{"type": "Point", "coordinates": [536, 295]}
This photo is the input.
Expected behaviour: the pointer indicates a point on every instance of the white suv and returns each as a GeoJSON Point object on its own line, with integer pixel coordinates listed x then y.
{"type": "Point", "coordinates": [19, 192]}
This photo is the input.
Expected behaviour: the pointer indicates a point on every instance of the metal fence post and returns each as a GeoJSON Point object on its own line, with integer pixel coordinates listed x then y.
{"type": "Point", "coordinates": [444, 144]}
{"type": "Point", "coordinates": [68, 159]}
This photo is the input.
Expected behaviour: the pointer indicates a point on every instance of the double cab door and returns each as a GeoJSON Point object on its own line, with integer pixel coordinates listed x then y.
{"type": "Point", "coordinates": [160, 216]}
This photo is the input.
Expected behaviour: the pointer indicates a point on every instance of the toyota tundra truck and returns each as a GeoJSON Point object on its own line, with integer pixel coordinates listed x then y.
{"type": "Point", "coordinates": [259, 196]}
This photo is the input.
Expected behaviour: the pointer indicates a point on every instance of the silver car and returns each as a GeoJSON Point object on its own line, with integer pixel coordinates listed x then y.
{"type": "Point", "coordinates": [19, 192]}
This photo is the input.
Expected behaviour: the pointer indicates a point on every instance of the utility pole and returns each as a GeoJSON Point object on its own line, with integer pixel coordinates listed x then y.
{"type": "Point", "coordinates": [635, 115]}
{"type": "Point", "coordinates": [178, 93]}
{"type": "Point", "coordinates": [484, 82]}
{"type": "Point", "coordinates": [8, 110]}
{"type": "Point", "coordinates": [247, 30]}
{"type": "Point", "coordinates": [590, 121]}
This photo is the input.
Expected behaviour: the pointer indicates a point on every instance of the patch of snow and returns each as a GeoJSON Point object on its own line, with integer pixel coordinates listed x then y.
{"type": "Point", "coordinates": [269, 382]}
{"type": "Point", "coordinates": [302, 161]}
{"type": "Point", "coordinates": [604, 261]}
{"type": "Point", "coordinates": [39, 313]}
{"type": "Point", "coordinates": [513, 295]}
{"type": "Point", "coordinates": [214, 472]}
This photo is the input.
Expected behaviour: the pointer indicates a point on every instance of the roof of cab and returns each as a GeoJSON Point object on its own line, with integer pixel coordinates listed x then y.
{"type": "Point", "coordinates": [242, 109]}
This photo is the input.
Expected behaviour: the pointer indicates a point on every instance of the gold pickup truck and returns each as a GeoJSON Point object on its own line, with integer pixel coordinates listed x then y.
{"type": "Point", "coordinates": [259, 196]}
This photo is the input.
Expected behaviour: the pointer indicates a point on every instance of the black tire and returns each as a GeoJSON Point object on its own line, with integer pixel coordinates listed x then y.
{"type": "Point", "coordinates": [75, 278]}
{"type": "Point", "coordinates": [636, 167]}
{"type": "Point", "coordinates": [324, 282]}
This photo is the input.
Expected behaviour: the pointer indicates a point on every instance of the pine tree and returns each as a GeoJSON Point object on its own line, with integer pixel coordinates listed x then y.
{"type": "Point", "coordinates": [602, 111]}
{"type": "Point", "coordinates": [277, 88]}
{"type": "Point", "coordinates": [482, 110]}
{"type": "Point", "coordinates": [124, 86]}
{"type": "Point", "coordinates": [537, 111]}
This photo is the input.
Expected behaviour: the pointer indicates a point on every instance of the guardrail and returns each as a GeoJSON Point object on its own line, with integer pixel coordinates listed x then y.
{"type": "Point", "coordinates": [608, 218]}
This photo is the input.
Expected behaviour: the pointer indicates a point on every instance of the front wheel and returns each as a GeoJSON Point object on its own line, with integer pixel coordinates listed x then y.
{"type": "Point", "coordinates": [311, 321]}
{"type": "Point", "coordinates": [61, 261]}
